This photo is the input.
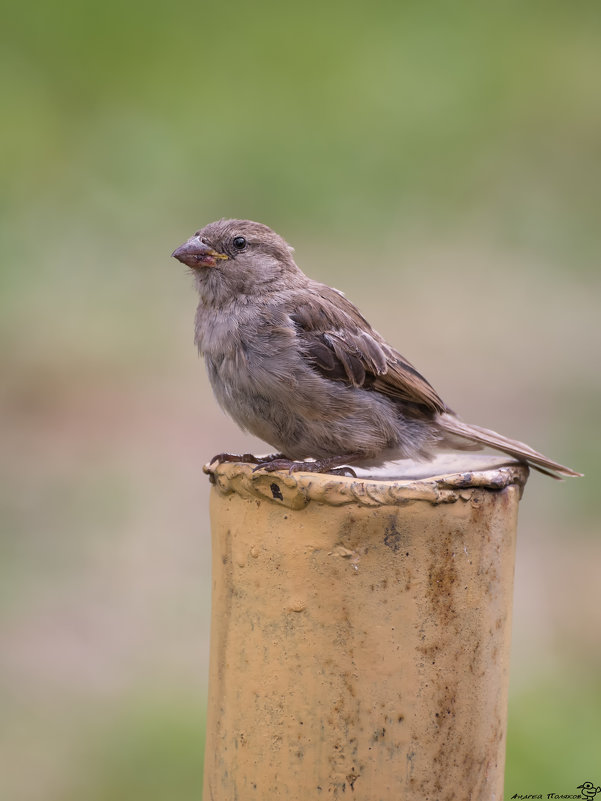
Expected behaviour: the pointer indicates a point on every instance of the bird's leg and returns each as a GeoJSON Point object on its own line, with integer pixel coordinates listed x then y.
{"type": "Point", "coordinates": [332, 465]}
{"type": "Point", "coordinates": [247, 458]}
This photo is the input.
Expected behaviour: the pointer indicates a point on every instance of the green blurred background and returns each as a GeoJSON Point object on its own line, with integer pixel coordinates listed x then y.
{"type": "Point", "coordinates": [441, 163]}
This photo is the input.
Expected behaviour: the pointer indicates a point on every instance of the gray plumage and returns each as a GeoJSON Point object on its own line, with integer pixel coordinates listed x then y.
{"type": "Point", "coordinates": [295, 363]}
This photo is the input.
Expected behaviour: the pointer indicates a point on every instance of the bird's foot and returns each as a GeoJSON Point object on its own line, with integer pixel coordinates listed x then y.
{"type": "Point", "coordinates": [247, 458]}
{"type": "Point", "coordinates": [331, 466]}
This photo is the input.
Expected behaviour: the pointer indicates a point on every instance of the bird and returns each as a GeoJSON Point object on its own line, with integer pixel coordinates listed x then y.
{"type": "Point", "coordinates": [294, 362]}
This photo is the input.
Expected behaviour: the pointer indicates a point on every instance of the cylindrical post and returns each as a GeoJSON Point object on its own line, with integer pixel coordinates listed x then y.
{"type": "Point", "coordinates": [360, 636]}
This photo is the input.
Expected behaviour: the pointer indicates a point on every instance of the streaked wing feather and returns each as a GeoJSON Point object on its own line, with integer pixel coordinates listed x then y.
{"type": "Point", "coordinates": [342, 345]}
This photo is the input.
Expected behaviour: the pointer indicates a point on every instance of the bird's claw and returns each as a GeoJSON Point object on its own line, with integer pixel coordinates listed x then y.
{"type": "Point", "coordinates": [247, 458]}
{"type": "Point", "coordinates": [220, 458]}
{"type": "Point", "coordinates": [276, 464]}
{"type": "Point", "coordinates": [304, 467]}
{"type": "Point", "coordinates": [277, 461]}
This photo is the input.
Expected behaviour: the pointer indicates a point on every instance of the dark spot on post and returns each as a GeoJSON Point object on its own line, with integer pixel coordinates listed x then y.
{"type": "Point", "coordinates": [351, 779]}
{"type": "Point", "coordinates": [392, 537]}
{"type": "Point", "coordinates": [378, 734]}
{"type": "Point", "coordinates": [276, 491]}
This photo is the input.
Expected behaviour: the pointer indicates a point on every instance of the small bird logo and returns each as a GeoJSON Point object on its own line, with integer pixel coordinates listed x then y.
{"type": "Point", "coordinates": [588, 789]}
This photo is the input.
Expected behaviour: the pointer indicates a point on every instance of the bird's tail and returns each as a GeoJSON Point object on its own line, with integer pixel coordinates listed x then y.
{"type": "Point", "coordinates": [513, 447]}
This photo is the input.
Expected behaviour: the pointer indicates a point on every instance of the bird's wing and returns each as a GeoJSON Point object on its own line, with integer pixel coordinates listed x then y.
{"type": "Point", "coordinates": [340, 343]}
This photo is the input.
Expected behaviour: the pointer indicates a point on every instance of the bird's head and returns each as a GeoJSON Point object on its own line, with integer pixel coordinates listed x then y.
{"type": "Point", "coordinates": [233, 257]}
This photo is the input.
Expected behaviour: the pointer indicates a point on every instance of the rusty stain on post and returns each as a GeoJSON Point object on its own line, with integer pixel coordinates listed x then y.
{"type": "Point", "coordinates": [360, 636]}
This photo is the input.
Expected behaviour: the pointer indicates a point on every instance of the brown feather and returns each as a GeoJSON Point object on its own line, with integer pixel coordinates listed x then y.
{"type": "Point", "coordinates": [358, 355]}
{"type": "Point", "coordinates": [514, 447]}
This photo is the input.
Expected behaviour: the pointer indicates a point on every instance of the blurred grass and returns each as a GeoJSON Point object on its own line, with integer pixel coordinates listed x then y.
{"type": "Point", "coordinates": [554, 738]}
{"type": "Point", "coordinates": [393, 115]}
{"type": "Point", "coordinates": [438, 162]}
{"type": "Point", "coordinates": [153, 752]}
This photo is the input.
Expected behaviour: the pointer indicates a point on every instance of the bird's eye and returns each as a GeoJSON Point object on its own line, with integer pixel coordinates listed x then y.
{"type": "Point", "coordinates": [239, 242]}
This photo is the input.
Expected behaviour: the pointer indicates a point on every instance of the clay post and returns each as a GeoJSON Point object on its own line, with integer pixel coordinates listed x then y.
{"type": "Point", "coordinates": [360, 636]}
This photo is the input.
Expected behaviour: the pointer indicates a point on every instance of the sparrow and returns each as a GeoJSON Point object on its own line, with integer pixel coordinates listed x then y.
{"type": "Point", "coordinates": [294, 362]}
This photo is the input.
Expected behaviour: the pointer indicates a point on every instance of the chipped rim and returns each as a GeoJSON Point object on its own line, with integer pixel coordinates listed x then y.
{"type": "Point", "coordinates": [296, 490]}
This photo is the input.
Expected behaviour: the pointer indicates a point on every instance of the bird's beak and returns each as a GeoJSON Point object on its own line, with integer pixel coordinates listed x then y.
{"type": "Point", "coordinates": [196, 254]}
